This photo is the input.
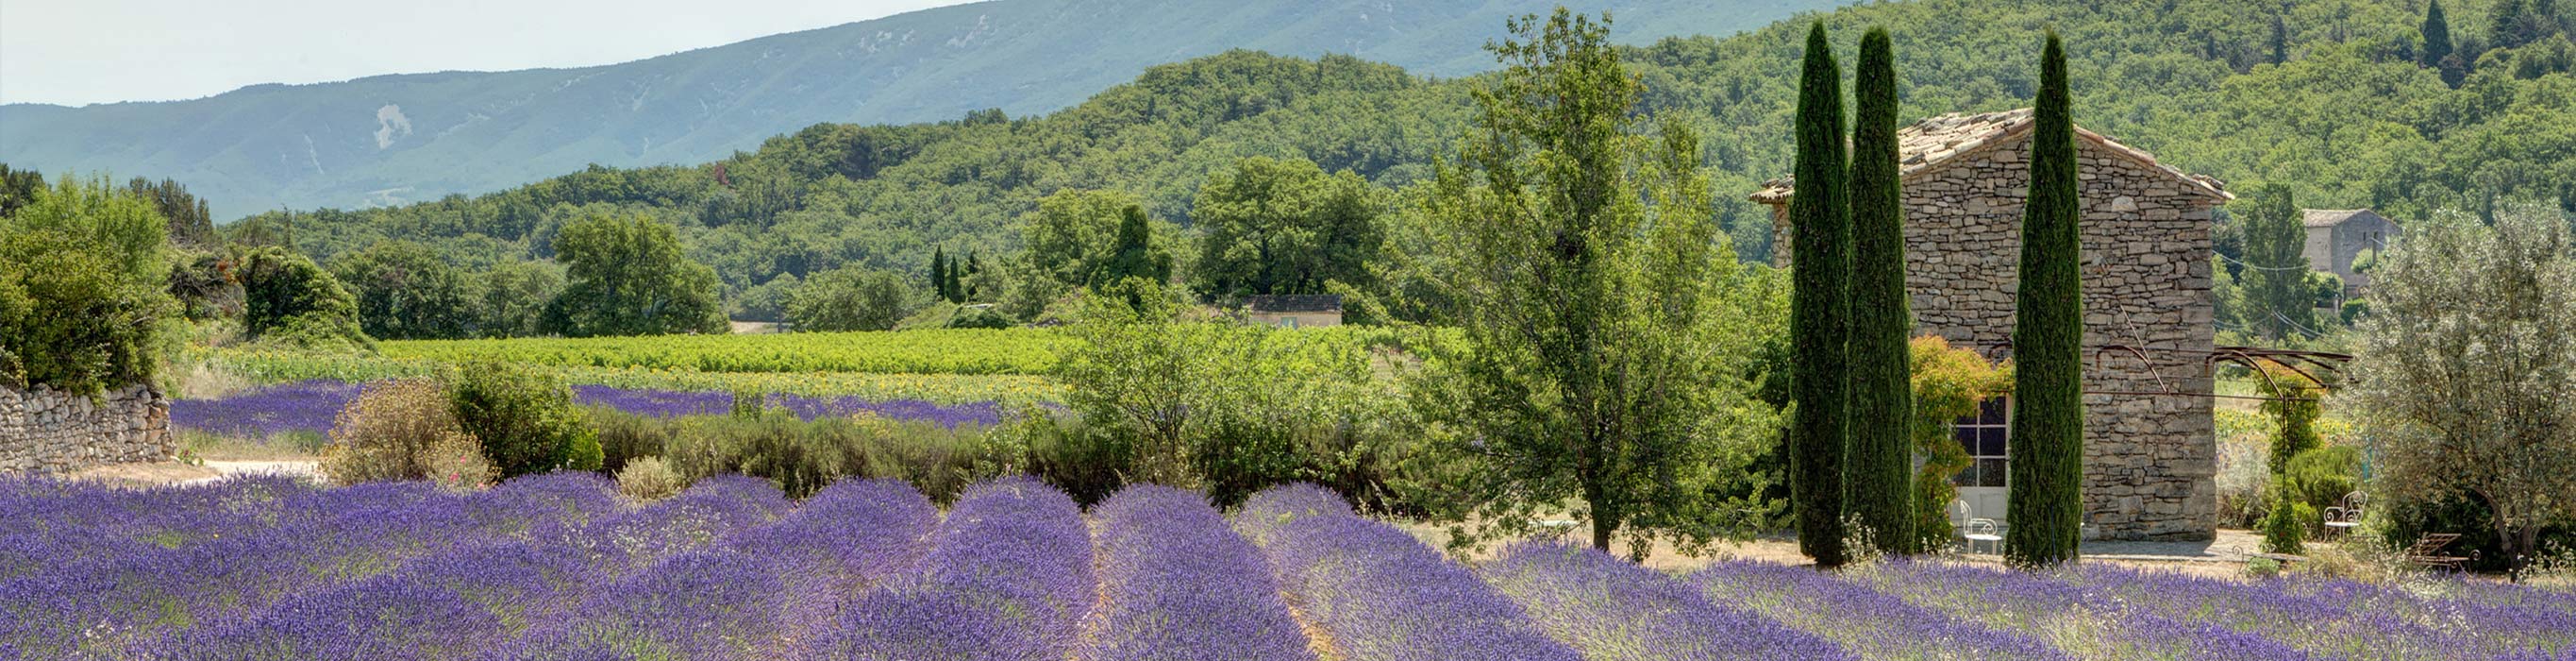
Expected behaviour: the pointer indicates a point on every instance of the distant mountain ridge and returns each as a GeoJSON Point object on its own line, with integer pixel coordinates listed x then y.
{"type": "Point", "coordinates": [406, 138]}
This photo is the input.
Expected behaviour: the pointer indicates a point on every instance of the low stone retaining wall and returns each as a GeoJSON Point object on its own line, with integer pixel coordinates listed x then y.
{"type": "Point", "coordinates": [48, 431]}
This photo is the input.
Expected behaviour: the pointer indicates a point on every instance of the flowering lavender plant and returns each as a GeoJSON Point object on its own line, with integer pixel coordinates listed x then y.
{"type": "Point", "coordinates": [1177, 585]}
{"type": "Point", "coordinates": [1612, 608]}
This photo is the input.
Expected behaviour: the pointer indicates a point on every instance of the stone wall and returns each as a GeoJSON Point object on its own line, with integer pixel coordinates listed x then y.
{"type": "Point", "coordinates": [47, 431]}
{"type": "Point", "coordinates": [2149, 458]}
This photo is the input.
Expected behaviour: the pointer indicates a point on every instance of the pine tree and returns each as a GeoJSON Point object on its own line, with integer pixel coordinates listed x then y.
{"type": "Point", "coordinates": [2046, 456]}
{"type": "Point", "coordinates": [2280, 41]}
{"type": "Point", "coordinates": [1882, 396]}
{"type": "Point", "coordinates": [956, 281]}
{"type": "Point", "coordinates": [2437, 35]}
{"type": "Point", "coordinates": [1820, 226]}
{"type": "Point", "coordinates": [974, 266]}
{"type": "Point", "coordinates": [939, 272]}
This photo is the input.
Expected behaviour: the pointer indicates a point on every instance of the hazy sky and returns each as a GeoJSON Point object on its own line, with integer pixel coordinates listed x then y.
{"type": "Point", "coordinates": [74, 52]}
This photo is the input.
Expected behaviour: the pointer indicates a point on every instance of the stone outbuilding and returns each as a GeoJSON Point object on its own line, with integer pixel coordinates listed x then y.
{"type": "Point", "coordinates": [2149, 449]}
{"type": "Point", "coordinates": [2338, 236]}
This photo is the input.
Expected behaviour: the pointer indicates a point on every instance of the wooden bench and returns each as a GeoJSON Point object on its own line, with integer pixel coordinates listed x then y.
{"type": "Point", "coordinates": [2426, 552]}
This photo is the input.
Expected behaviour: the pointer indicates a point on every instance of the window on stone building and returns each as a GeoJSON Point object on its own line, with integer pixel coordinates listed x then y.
{"type": "Point", "coordinates": [1984, 435]}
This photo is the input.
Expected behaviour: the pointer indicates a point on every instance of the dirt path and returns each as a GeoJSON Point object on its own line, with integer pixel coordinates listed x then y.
{"type": "Point", "coordinates": [170, 473]}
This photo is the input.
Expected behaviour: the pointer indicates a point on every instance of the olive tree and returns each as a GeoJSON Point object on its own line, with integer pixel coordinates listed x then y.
{"type": "Point", "coordinates": [2466, 374]}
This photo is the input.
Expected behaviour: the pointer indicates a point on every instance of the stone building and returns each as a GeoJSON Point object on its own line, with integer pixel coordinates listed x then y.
{"type": "Point", "coordinates": [50, 431]}
{"type": "Point", "coordinates": [2149, 451]}
{"type": "Point", "coordinates": [2337, 236]}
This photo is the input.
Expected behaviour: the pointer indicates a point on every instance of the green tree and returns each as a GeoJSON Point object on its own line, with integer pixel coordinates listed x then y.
{"type": "Point", "coordinates": [2278, 301]}
{"type": "Point", "coordinates": [2280, 41]}
{"type": "Point", "coordinates": [406, 291]}
{"type": "Point", "coordinates": [1820, 228]}
{"type": "Point", "coordinates": [1605, 340]}
{"type": "Point", "coordinates": [1073, 232]}
{"type": "Point", "coordinates": [2464, 375]}
{"type": "Point", "coordinates": [286, 299]}
{"type": "Point", "coordinates": [626, 276]}
{"type": "Point", "coordinates": [2046, 456]}
{"type": "Point", "coordinates": [2437, 36]}
{"type": "Point", "coordinates": [190, 224]}
{"type": "Point", "coordinates": [515, 295]}
{"type": "Point", "coordinates": [2293, 403]}
{"type": "Point", "coordinates": [939, 273]}
{"type": "Point", "coordinates": [525, 419]}
{"type": "Point", "coordinates": [1134, 255]}
{"type": "Point", "coordinates": [1881, 463]}
{"type": "Point", "coordinates": [82, 286]}
{"type": "Point", "coordinates": [850, 298]}
{"type": "Point", "coordinates": [1284, 227]}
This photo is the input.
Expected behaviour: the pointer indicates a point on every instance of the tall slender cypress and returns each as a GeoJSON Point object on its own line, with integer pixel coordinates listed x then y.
{"type": "Point", "coordinates": [1882, 395]}
{"type": "Point", "coordinates": [2437, 35]}
{"type": "Point", "coordinates": [1820, 227]}
{"type": "Point", "coordinates": [939, 272]}
{"type": "Point", "coordinates": [2046, 456]}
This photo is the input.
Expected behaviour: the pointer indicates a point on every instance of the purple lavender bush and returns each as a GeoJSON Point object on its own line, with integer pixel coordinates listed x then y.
{"type": "Point", "coordinates": [302, 406]}
{"type": "Point", "coordinates": [1377, 593]}
{"type": "Point", "coordinates": [1178, 585]}
{"type": "Point", "coordinates": [2068, 616]}
{"type": "Point", "coordinates": [1615, 609]}
{"type": "Point", "coordinates": [1008, 576]}
{"type": "Point", "coordinates": [1871, 623]}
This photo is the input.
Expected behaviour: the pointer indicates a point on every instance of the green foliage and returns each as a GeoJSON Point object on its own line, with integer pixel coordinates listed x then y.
{"type": "Point", "coordinates": [2046, 457]}
{"type": "Point", "coordinates": [515, 297]}
{"type": "Point", "coordinates": [83, 268]}
{"type": "Point", "coordinates": [626, 276]}
{"type": "Point", "coordinates": [1271, 226]}
{"type": "Point", "coordinates": [766, 301]}
{"type": "Point", "coordinates": [403, 430]}
{"type": "Point", "coordinates": [1820, 219]}
{"type": "Point", "coordinates": [850, 298]}
{"type": "Point", "coordinates": [2285, 530]}
{"type": "Point", "coordinates": [267, 365]}
{"type": "Point", "coordinates": [190, 225]}
{"type": "Point", "coordinates": [625, 437]}
{"type": "Point", "coordinates": [525, 419]}
{"type": "Point", "coordinates": [2323, 476]}
{"type": "Point", "coordinates": [1134, 255]}
{"type": "Point", "coordinates": [406, 291]}
{"type": "Point", "coordinates": [2279, 301]}
{"type": "Point", "coordinates": [288, 301]}
{"type": "Point", "coordinates": [2464, 376]}
{"type": "Point", "coordinates": [2437, 36]}
{"type": "Point", "coordinates": [1605, 338]}
{"type": "Point", "coordinates": [802, 456]}
{"type": "Point", "coordinates": [649, 479]}
{"type": "Point", "coordinates": [2294, 406]}
{"type": "Point", "coordinates": [1948, 384]}
{"type": "Point", "coordinates": [1881, 460]}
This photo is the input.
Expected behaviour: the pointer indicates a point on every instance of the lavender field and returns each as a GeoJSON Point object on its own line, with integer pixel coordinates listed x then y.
{"type": "Point", "coordinates": [309, 406]}
{"type": "Point", "coordinates": [561, 567]}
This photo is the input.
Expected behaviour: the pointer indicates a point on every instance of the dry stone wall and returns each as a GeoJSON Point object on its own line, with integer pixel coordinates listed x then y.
{"type": "Point", "coordinates": [49, 431]}
{"type": "Point", "coordinates": [2149, 458]}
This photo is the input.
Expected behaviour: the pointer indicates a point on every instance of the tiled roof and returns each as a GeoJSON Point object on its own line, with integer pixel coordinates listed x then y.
{"type": "Point", "coordinates": [1295, 303]}
{"type": "Point", "coordinates": [2330, 217]}
{"type": "Point", "coordinates": [1927, 144]}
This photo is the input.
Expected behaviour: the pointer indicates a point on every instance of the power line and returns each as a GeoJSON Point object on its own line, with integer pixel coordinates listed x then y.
{"type": "Point", "coordinates": [2239, 262]}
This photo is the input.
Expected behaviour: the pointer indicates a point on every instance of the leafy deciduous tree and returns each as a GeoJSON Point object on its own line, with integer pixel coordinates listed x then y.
{"type": "Point", "coordinates": [1284, 227]}
{"type": "Point", "coordinates": [850, 298]}
{"type": "Point", "coordinates": [626, 276]}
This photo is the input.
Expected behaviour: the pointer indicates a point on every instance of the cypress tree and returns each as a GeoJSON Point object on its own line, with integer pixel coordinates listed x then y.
{"type": "Point", "coordinates": [1820, 226]}
{"type": "Point", "coordinates": [939, 272]}
{"type": "Point", "coordinates": [2280, 41]}
{"type": "Point", "coordinates": [2437, 35]}
{"type": "Point", "coordinates": [2046, 456]}
{"type": "Point", "coordinates": [1882, 394]}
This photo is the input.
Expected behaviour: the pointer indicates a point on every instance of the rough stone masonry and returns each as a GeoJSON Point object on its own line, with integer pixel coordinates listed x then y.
{"type": "Point", "coordinates": [2149, 448]}
{"type": "Point", "coordinates": [49, 431]}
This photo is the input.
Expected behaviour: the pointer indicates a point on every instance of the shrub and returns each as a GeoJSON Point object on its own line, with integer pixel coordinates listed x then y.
{"type": "Point", "coordinates": [402, 430]}
{"type": "Point", "coordinates": [525, 418]}
{"type": "Point", "coordinates": [799, 456]}
{"type": "Point", "coordinates": [647, 478]}
{"type": "Point", "coordinates": [625, 437]}
{"type": "Point", "coordinates": [82, 278]}
{"type": "Point", "coordinates": [2322, 476]}
{"type": "Point", "coordinates": [2286, 529]}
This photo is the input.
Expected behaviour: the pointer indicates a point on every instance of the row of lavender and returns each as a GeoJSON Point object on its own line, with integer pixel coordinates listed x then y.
{"type": "Point", "coordinates": [310, 406]}
{"type": "Point", "coordinates": [559, 567]}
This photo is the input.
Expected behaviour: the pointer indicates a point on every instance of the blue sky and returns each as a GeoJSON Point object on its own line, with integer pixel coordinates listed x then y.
{"type": "Point", "coordinates": [75, 52]}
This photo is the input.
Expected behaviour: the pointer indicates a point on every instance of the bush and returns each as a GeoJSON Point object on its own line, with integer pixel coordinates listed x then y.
{"type": "Point", "coordinates": [980, 316]}
{"type": "Point", "coordinates": [288, 301]}
{"type": "Point", "coordinates": [82, 288]}
{"type": "Point", "coordinates": [2321, 477]}
{"type": "Point", "coordinates": [647, 478]}
{"type": "Point", "coordinates": [799, 456]}
{"type": "Point", "coordinates": [625, 437]}
{"type": "Point", "coordinates": [402, 430]}
{"type": "Point", "coordinates": [525, 418]}
{"type": "Point", "coordinates": [2285, 530]}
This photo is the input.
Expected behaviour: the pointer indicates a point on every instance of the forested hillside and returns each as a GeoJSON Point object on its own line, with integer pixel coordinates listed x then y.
{"type": "Point", "coordinates": [2347, 117]}
{"type": "Point", "coordinates": [408, 138]}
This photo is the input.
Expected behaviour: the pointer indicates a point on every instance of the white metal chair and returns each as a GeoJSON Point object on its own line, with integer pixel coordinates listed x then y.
{"type": "Point", "coordinates": [1984, 531]}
